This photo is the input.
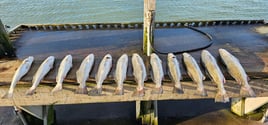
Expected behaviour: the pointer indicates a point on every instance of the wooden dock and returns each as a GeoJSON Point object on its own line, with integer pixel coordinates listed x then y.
{"type": "Point", "coordinates": [41, 41]}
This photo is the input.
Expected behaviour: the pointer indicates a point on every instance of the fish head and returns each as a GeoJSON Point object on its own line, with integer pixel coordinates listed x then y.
{"type": "Point", "coordinates": [68, 58]}
{"type": "Point", "coordinates": [135, 55]}
{"type": "Point", "coordinates": [30, 59]}
{"type": "Point", "coordinates": [108, 57]}
{"type": "Point", "coordinates": [186, 55]}
{"type": "Point", "coordinates": [171, 56]}
{"type": "Point", "coordinates": [153, 55]}
{"type": "Point", "coordinates": [124, 56]}
{"type": "Point", "coordinates": [205, 54]}
{"type": "Point", "coordinates": [50, 59]}
{"type": "Point", "coordinates": [223, 52]}
{"type": "Point", "coordinates": [91, 56]}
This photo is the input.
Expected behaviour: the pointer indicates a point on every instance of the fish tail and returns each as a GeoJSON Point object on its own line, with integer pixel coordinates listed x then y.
{"type": "Point", "coordinates": [7, 95]}
{"type": "Point", "coordinates": [57, 88]}
{"type": "Point", "coordinates": [139, 93]}
{"type": "Point", "coordinates": [221, 97]}
{"type": "Point", "coordinates": [119, 91]}
{"type": "Point", "coordinates": [178, 90]}
{"type": "Point", "coordinates": [247, 91]}
{"type": "Point", "coordinates": [96, 91]}
{"type": "Point", "coordinates": [81, 90]}
{"type": "Point", "coordinates": [30, 91]}
{"type": "Point", "coordinates": [157, 90]}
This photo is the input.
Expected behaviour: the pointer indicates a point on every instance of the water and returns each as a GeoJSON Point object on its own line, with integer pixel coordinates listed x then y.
{"type": "Point", "coordinates": [14, 12]}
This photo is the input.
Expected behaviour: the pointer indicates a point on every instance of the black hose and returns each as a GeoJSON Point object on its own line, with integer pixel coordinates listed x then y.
{"type": "Point", "coordinates": [191, 50]}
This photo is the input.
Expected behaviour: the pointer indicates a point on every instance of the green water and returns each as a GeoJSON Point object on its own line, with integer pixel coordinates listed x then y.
{"type": "Point", "coordinates": [14, 12]}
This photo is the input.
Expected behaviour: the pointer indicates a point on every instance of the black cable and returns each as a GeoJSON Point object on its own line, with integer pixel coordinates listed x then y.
{"type": "Point", "coordinates": [191, 50]}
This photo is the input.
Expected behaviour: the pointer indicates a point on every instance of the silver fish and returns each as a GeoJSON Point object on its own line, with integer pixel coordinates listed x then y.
{"type": "Point", "coordinates": [20, 72]}
{"type": "Point", "coordinates": [65, 66]}
{"type": "Point", "coordinates": [139, 73]}
{"type": "Point", "coordinates": [158, 73]}
{"type": "Point", "coordinates": [120, 73]}
{"type": "Point", "coordinates": [103, 71]}
{"type": "Point", "coordinates": [210, 63]}
{"type": "Point", "coordinates": [237, 72]}
{"type": "Point", "coordinates": [195, 73]}
{"type": "Point", "coordinates": [174, 72]}
{"type": "Point", "coordinates": [44, 68]}
{"type": "Point", "coordinates": [83, 72]}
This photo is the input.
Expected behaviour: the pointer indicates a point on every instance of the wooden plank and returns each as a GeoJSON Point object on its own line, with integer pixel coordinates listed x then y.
{"type": "Point", "coordinates": [67, 96]}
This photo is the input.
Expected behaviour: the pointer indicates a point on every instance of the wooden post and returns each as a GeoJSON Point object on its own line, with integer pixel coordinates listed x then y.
{"type": "Point", "coordinates": [148, 26]}
{"type": "Point", "coordinates": [147, 110]}
{"type": "Point", "coordinates": [5, 45]}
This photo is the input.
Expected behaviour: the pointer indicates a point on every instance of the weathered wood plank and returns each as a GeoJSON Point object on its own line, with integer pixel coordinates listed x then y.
{"type": "Point", "coordinates": [67, 96]}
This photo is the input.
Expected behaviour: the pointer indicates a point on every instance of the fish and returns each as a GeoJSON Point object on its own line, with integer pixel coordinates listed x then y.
{"type": "Point", "coordinates": [65, 66]}
{"type": "Point", "coordinates": [20, 72]}
{"type": "Point", "coordinates": [236, 70]}
{"type": "Point", "coordinates": [102, 73]}
{"type": "Point", "coordinates": [193, 70]}
{"type": "Point", "coordinates": [174, 73]}
{"type": "Point", "coordinates": [139, 73]}
{"type": "Point", "coordinates": [83, 72]}
{"type": "Point", "coordinates": [120, 74]}
{"type": "Point", "coordinates": [157, 73]}
{"type": "Point", "coordinates": [44, 68]}
{"type": "Point", "coordinates": [215, 73]}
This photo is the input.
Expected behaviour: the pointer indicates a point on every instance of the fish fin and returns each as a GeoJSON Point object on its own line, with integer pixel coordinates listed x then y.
{"type": "Point", "coordinates": [30, 91]}
{"type": "Point", "coordinates": [139, 93]}
{"type": "Point", "coordinates": [95, 92]}
{"type": "Point", "coordinates": [201, 92]}
{"type": "Point", "coordinates": [57, 88]}
{"type": "Point", "coordinates": [247, 92]}
{"type": "Point", "coordinates": [158, 90]}
{"type": "Point", "coordinates": [221, 97]}
{"type": "Point", "coordinates": [178, 90]}
{"type": "Point", "coordinates": [7, 95]}
{"type": "Point", "coordinates": [119, 91]}
{"type": "Point", "coordinates": [248, 78]}
{"type": "Point", "coordinates": [81, 90]}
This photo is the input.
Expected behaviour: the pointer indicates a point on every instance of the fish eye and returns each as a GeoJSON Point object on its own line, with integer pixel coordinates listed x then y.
{"type": "Point", "coordinates": [107, 57]}
{"type": "Point", "coordinates": [173, 57]}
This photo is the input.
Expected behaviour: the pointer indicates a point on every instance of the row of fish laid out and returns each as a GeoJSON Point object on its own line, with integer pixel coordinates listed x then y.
{"type": "Point", "coordinates": [139, 72]}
